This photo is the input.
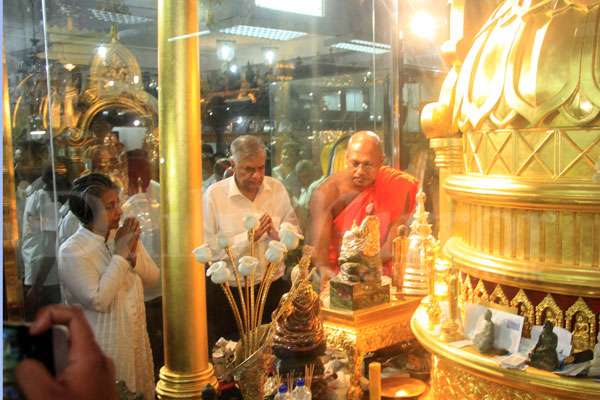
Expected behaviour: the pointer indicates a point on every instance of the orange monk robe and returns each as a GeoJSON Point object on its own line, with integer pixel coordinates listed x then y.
{"type": "Point", "coordinates": [390, 193]}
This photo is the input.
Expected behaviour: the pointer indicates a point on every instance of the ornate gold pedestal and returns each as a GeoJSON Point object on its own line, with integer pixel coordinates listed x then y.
{"type": "Point", "coordinates": [467, 375]}
{"type": "Point", "coordinates": [359, 332]}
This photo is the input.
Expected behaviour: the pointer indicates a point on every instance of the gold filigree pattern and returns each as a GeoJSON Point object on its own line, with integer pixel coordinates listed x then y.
{"type": "Point", "coordinates": [480, 294]}
{"type": "Point", "coordinates": [525, 309]}
{"type": "Point", "coordinates": [548, 309]}
{"type": "Point", "coordinates": [499, 297]}
{"type": "Point", "coordinates": [448, 382]}
{"type": "Point", "coordinates": [586, 327]}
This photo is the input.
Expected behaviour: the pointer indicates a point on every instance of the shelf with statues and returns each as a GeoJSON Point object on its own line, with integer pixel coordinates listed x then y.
{"type": "Point", "coordinates": [478, 368]}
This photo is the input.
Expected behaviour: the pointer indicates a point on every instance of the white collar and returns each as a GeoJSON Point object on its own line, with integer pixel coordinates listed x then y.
{"type": "Point", "coordinates": [233, 190]}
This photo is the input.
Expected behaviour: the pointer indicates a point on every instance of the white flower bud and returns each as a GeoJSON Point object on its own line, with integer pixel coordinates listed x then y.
{"type": "Point", "coordinates": [250, 222]}
{"type": "Point", "coordinates": [276, 251]}
{"type": "Point", "coordinates": [289, 236]}
{"type": "Point", "coordinates": [219, 273]}
{"type": "Point", "coordinates": [222, 241]}
{"type": "Point", "coordinates": [203, 253]}
{"type": "Point", "coordinates": [247, 265]}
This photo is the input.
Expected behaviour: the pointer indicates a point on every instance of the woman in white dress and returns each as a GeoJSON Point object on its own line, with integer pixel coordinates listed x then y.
{"type": "Point", "coordinates": [104, 268]}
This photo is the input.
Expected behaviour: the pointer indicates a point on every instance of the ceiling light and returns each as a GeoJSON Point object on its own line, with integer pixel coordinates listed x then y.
{"type": "Point", "coordinates": [233, 68]}
{"type": "Point", "coordinates": [423, 25]}
{"type": "Point", "coordinates": [305, 7]}
{"type": "Point", "coordinates": [69, 67]}
{"type": "Point", "coordinates": [263, 33]}
{"type": "Point", "coordinates": [371, 44]}
{"type": "Point", "coordinates": [269, 55]}
{"type": "Point", "coordinates": [360, 48]}
{"type": "Point", "coordinates": [188, 35]}
{"type": "Point", "coordinates": [125, 19]}
{"type": "Point", "coordinates": [225, 50]}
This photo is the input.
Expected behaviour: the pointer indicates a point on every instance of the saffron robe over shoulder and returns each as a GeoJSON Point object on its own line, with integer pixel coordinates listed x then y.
{"type": "Point", "coordinates": [392, 195]}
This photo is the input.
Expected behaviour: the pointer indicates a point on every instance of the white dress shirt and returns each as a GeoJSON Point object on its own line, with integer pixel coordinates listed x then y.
{"type": "Point", "coordinates": [225, 208]}
{"type": "Point", "coordinates": [112, 296]}
{"type": "Point", "coordinates": [39, 216]}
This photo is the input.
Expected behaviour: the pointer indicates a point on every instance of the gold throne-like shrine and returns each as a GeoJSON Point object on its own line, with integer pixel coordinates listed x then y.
{"type": "Point", "coordinates": [517, 136]}
{"type": "Point", "coordinates": [86, 101]}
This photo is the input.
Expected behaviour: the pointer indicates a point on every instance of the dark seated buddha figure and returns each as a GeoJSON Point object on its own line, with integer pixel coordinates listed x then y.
{"type": "Point", "coordinates": [543, 355]}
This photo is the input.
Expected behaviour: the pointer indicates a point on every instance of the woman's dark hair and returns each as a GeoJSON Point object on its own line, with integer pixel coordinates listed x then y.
{"type": "Point", "coordinates": [93, 185]}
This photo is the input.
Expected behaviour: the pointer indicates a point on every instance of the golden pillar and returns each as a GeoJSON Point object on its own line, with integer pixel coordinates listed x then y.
{"type": "Point", "coordinates": [186, 368]}
{"type": "Point", "coordinates": [448, 159]}
{"type": "Point", "coordinates": [14, 295]}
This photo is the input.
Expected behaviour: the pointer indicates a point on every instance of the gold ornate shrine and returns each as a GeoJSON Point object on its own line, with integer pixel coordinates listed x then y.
{"type": "Point", "coordinates": [520, 208]}
{"type": "Point", "coordinates": [358, 332]}
{"type": "Point", "coordinates": [76, 115]}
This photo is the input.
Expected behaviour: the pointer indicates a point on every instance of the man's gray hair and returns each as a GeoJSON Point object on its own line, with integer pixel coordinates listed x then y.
{"type": "Point", "coordinates": [246, 146]}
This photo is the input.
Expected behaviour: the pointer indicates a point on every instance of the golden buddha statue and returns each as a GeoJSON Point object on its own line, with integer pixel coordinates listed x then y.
{"type": "Point", "coordinates": [581, 334]}
{"type": "Point", "coordinates": [526, 322]}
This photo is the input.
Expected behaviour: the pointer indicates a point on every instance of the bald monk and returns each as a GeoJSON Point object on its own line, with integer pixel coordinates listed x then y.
{"type": "Point", "coordinates": [365, 187]}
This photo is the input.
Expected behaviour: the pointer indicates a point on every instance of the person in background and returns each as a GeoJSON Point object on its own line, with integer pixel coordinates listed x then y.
{"type": "Point", "coordinates": [305, 174]}
{"type": "Point", "coordinates": [285, 172]}
{"type": "Point", "coordinates": [208, 165]}
{"type": "Point", "coordinates": [104, 268]}
{"type": "Point", "coordinates": [38, 246]}
{"type": "Point", "coordinates": [226, 203]}
{"type": "Point", "coordinates": [143, 207]}
{"type": "Point", "coordinates": [345, 198]}
{"type": "Point", "coordinates": [219, 168]}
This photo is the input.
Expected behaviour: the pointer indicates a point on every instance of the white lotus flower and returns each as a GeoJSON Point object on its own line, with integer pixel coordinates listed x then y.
{"type": "Point", "coordinates": [222, 241]}
{"type": "Point", "coordinates": [250, 222]}
{"type": "Point", "coordinates": [247, 265]}
{"type": "Point", "coordinates": [219, 273]}
{"type": "Point", "coordinates": [203, 253]}
{"type": "Point", "coordinates": [276, 251]}
{"type": "Point", "coordinates": [289, 236]}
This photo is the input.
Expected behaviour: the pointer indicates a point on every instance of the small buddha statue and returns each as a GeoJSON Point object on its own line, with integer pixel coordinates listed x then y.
{"type": "Point", "coordinates": [549, 316]}
{"type": "Point", "coordinates": [359, 254]}
{"type": "Point", "coordinates": [484, 336]}
{"type": "Point", "coordinates": [299, 330]}
{"type": "Point", "coordinates": [581, 334]}
{"type": "Point", "coordinates": [526, 323]}
{"type": "Point", "coordinates": [543, 355]}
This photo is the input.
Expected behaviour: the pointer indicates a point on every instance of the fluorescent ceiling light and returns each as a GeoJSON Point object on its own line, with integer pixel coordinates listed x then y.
{"type": "Point", "coordinates": [305, 7]}
{"type": "Point", "coordinates": [359, 48]}
{"type": "Point", "coordinates": [188, 35]}
{"type": "Point", "coordinates": [125, 19]}
{"type": "Point", "coordinates": [371, 44]}
{"type": "Point", "coordinates": [263, 33]}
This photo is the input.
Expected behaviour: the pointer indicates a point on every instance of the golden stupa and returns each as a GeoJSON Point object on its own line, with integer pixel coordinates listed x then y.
{"type": "Point", "coordinates": [517, 135]}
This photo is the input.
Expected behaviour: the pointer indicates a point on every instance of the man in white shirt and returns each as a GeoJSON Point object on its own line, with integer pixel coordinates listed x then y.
{"type": "Point", "coordinates": [226, 203]}
{"type": "Point", "coordinates": [39, 242]}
